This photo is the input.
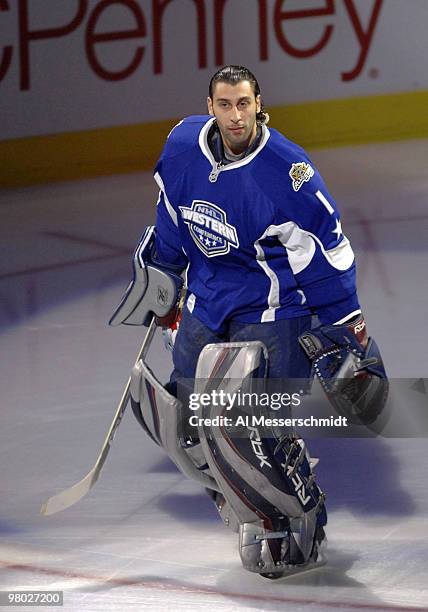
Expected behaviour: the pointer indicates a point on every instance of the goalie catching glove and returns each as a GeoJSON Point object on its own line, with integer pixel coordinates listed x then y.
{"type": "Point", "coordinates": [350, 369]}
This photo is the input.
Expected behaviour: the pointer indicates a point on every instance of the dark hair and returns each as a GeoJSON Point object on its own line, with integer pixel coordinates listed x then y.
{"type": "Point", "coordinates": [234, 75]}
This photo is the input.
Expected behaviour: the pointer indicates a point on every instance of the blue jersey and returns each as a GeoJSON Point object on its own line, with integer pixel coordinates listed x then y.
{"type": "Point", "coordinates": [261, 237]}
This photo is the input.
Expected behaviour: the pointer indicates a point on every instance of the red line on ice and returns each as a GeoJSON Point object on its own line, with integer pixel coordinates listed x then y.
{"type": "Point", "coordinates": [188, 588]}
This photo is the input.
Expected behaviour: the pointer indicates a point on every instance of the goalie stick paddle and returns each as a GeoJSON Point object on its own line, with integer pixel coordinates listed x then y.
{"type": "Point", "coordinates": [73, 494]}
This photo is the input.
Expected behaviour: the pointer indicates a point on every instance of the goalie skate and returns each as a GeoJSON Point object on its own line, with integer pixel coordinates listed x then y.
{"type": "Point", "coordinates": [317, 559]}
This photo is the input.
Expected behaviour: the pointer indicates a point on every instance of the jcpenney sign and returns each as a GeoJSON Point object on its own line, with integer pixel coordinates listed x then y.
{"type": "Point", "coordinates": [273, 18]}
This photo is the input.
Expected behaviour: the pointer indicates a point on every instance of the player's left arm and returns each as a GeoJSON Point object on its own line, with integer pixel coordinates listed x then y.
{"type": "Point", "coordinates": [320, 254]}
{"type": "Point", "coordinates": [347, 362]}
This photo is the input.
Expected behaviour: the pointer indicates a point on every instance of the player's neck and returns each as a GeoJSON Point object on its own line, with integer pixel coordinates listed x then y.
{"type": "Point", "coordinates": [240, 149]}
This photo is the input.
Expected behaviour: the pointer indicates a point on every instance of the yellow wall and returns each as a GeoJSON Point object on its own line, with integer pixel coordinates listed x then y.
{"type": "Point", "coordinates": [133, 148]}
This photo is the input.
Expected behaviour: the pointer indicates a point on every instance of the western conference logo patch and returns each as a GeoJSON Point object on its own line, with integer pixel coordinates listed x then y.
{"type": "Point", "coordinates": [300, 173]}
{"type": "Point", "coordinates": [209, 228]}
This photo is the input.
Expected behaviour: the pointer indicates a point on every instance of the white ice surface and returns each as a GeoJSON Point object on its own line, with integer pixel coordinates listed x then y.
{"type": "Point", "coordinates": [145, 538]}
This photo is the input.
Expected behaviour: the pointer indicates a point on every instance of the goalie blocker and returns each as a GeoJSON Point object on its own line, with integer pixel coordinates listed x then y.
{"type": "Point", "coordinates": [154, 289]}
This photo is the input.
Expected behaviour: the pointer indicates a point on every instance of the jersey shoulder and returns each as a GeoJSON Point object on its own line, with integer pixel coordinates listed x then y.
{"type": "Point", "coordinates": [286, 150]}
{"type": "Point", "coordinates": [184, 136]}
{"type": "Point", "coordinates": [290, 165]}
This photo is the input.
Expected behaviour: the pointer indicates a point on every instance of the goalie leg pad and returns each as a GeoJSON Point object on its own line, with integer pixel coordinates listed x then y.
{"type": "Point", "coordinates": [267, 482]}
{"type": "Point", "coordinates": [160, 415]}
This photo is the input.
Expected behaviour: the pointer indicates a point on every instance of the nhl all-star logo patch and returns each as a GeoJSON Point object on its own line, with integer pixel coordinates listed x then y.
{"type": "Point", "coordinates": [300, 173]}
{"type": "Point", "coordinates": [209, 228]}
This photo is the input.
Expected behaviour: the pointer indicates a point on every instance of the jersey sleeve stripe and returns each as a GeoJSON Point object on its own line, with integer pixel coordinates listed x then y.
{"type": "Point", "coordinates": [348, 317]}
{"type": "Point", "coordinates": [168, 204]}
{"type": "Point", "coordinates": [321, 197]}
{"type": "Point", "coordinates": [273, 296]}
{"type": "Point", "coordinates": [300, 245]}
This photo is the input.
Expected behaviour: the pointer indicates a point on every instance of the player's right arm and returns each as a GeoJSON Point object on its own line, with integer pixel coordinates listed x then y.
{"type": "Point", "coordinates": [168, 240]}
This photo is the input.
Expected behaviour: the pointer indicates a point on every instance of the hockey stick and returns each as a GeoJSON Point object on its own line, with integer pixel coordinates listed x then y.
{"type": "Point", "coordinates": [70, 496]}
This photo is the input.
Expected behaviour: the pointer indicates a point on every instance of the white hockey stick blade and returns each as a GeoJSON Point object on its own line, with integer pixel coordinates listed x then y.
{"type": "Point", "coordinates": [73, 494]}
{"type": "Point", "coordinates": [70, 496]}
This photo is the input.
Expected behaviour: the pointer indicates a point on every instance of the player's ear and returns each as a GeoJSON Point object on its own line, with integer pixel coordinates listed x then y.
{"type": "Point", "coordinates": [210, 106]}
{"type": "Point", "coordinates": [258, 103]}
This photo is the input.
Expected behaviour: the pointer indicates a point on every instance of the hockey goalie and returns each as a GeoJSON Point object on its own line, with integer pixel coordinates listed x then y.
{"type": "Point", "coordinates": [261, 480]}
{"type": "Point", "coordinates": [246, 217]}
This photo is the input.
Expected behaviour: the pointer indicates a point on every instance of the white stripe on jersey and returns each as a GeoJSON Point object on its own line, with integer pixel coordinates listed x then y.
{"type": "Point", "coordinates": [299, 244]}
{"type": "Point", "coordinates": [351, 315]}
{"type": "Point", "coordinates": [301, 247]}
{"type": "Point", "coordinates": [321, 197]}
{"type": "Point", "coordinates": [341, 256]}
{"type": "Point", "coordinates": [168, 205]}
{"type": "Point", "coordinates": [273, 296]}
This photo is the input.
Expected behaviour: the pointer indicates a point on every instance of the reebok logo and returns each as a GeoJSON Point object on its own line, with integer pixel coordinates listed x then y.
{"type": "Point", "coordinates": [256, 443]}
